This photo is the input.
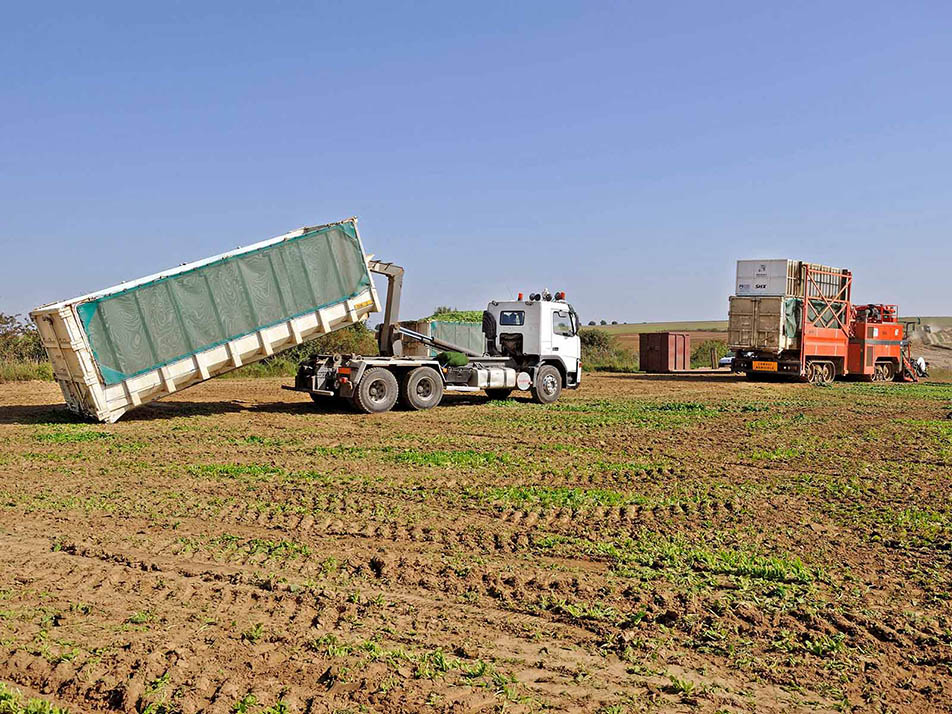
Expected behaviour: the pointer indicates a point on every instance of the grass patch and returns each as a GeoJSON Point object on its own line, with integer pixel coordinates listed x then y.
{"type": "Point", "coordinates": [586, 414]}
{"type": "Point", "coordinates": [238, 471]}
{"type": "Point", "coordinates": [284, 549]}
{"type": "Point", "coordinates": [71, 435]}
{"type": "Point", "coordinates": [13, 702]}
{"type": "Point", "coordinates": [339, 452]}
{"type": "Point", "coordinates": [652, 554]}
{"type": "Point", "coordinates": [564, 497]}
{"type": "Point", "coordinates": [465, 458]}
{"type": "Point", "coordinates": [781, 453]}
{"type": "Point", "coordinates": [24, 371]}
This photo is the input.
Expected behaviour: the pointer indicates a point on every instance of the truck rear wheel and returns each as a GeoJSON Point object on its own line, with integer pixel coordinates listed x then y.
{"type": "Point", "coordinates": [547, 385]}
{"type": "Point", "coordinates": [422, 388]}
{"type": "Point", "coordinates": [377, 391]}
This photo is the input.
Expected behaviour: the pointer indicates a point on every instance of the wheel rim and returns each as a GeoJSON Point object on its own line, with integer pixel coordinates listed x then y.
{"type": "Point", "coordinates": [549, 385]}
{"type": "Point", "coordinates": [828, 373]}
{"type": "Point", "coordinates": [377, 391]}
{"type": "Point", "coordinates": [424, 389]}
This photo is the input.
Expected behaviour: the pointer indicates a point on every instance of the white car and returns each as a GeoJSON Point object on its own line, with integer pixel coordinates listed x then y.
{"type": "Point", "coordinates": [726, 361]}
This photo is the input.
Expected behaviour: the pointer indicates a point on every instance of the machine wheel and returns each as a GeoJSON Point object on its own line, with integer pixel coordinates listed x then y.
{"type": "Point", "coordinates": [422, 388]}
{"type": "Point", "coordinates": [499, 393]}
{"type": "Point", "coordinates": [547, 386]}
{"type": "Point", "coordinates": [884, 372]}
{"type": "Point", "coordinates": [819, 372]}
{"type": "Point", "coordinates": [377, 391]}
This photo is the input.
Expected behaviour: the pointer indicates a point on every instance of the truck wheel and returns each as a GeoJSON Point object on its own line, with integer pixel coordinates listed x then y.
{"type": "Point", "coordinates": [421, 388]}
{"type": "Point", "coordinates": [377, 391]}
{"type": "Point", "coordinates": [498, 393]}
{"type": "Point", "coordinates": [547, 385]}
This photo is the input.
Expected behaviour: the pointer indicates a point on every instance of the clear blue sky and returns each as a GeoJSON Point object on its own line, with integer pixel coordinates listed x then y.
{"type": "Point", "coordinates": [627, 153]}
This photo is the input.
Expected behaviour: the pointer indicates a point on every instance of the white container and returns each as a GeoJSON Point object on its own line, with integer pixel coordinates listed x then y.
{"type": "Point", "coordinates": [136, 342]}
{"type": "Point", "coordinates": [766, 277]}
{"type": "Point", "coordinates": [760, 278]}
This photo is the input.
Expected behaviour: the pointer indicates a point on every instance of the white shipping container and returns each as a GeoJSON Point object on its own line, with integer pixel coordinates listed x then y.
{"type": "Point", "coordinates": [761, 278]}
{"type": "Point", "coordinates": [765, 277]}
{"type": "Point", "coordinates": [136, 342]}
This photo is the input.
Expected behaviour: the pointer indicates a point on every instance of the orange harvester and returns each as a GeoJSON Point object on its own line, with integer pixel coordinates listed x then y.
{"type": "Point", "coordinates": [836, 338]}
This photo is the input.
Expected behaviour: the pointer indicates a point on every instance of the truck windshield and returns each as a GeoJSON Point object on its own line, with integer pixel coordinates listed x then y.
{"type": "Point", "coordinates": [512, 318]}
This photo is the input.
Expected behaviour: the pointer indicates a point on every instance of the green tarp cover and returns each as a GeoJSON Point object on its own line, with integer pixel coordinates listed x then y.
{"type": "Point", "coordinates": [462, 334]}
{"type": "Point", "coordinates": [817, 312]}
{"type": "Point", "coordinates": [170, 318]}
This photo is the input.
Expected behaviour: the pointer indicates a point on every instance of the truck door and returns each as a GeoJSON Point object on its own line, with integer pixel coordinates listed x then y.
{"type": "Point", "coordinates": [565, 343]}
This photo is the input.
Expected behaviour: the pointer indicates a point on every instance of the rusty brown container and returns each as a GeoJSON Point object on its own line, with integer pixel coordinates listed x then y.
{"type": "Point", "coordinates": [664, 351]}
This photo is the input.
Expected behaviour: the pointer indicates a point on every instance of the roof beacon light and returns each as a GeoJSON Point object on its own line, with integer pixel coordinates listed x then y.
{"type": "Point", "coordinates": [520, 297]}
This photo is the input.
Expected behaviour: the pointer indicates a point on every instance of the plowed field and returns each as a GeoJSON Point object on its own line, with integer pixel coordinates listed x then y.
{"type": "Point", "coordinates": [647, 544]}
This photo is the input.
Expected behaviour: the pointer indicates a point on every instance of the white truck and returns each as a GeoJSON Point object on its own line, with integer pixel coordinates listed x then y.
{"type": "Point", "coordinates": [139, 341]}
{"type": "Point", "coordinates": [531, 345]}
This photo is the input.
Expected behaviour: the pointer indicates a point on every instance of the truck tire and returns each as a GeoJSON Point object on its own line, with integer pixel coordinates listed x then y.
{"type": "Point", "coordinates": [547, 385]}
{"type": "Point", "coordinates": [377, 391]}
{"type": "Point", "coordinates": [498, 393]}
{"type": "Point", "coordinates": [421, 388]}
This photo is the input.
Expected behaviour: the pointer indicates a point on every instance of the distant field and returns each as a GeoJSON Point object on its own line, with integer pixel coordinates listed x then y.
{"type": "Point", "coordinates": [637, 328]}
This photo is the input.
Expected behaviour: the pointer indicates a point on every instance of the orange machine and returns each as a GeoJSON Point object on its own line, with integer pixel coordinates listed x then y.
{"type": "Point", "coordinates": [876, 345]}
{"type": "Point", "coordinates": [836, 338]}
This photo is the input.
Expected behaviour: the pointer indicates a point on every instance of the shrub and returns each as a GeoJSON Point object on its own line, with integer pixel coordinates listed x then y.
{"type": "Point", "coordinates": [701, 354]}
{"type": "Point", "coordinates": [447, 315]}
{"type": "Point", "coordinates": [19, 340]}
{"type": "Point", "coordinates": [355, 339]}
{"type": "Point", "coordinates": [602, 353]}
{"type": "Point", "coordinates": [22, 356]}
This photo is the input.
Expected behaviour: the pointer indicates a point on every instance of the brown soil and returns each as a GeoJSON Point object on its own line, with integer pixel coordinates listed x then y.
{"type": "Point", "coordinates": [652, 542]}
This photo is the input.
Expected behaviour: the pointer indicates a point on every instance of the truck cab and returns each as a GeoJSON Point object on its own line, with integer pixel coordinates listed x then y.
{"type": "Point", "coordinates": [536, 332]}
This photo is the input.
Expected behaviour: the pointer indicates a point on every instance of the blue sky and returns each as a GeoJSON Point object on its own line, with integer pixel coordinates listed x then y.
{"type": "Point", "coordinates": [627, 153]}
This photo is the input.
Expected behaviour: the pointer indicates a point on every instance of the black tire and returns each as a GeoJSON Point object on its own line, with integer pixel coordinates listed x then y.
{"type": "Point", "coordinates": [421, 388]}
{"type": "Point", "coordinates": [547, 385]}
{"type": "Point", "coordinates": [377, 391]}
{"type": "Point", "coordinates": [498, 393]}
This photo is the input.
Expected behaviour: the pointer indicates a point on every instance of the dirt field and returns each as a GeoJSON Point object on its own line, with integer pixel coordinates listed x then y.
{"type": "Point", "coordinates": [648, 544]}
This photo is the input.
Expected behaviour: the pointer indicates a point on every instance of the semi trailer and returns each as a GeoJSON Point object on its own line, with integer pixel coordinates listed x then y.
{"type": "Point", "coordinates": [119, 348]}
{"type": "Point", "coordinates": [797, 319]}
